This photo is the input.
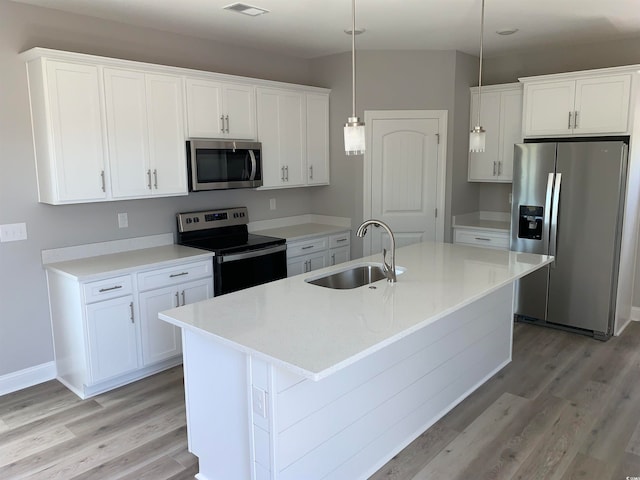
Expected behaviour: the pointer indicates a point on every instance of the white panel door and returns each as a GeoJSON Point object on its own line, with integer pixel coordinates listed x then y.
{"type": "Point", "coordinates": [510, 131]}
{"type": "Point", "coordinates": [204, 109]}
{"type": "Point", "coordinates": [112, 337]}
{"type": "Point", "coordinates": [547, 108]}
{"type": "Point", "coordinates": [602, 104]}
{"type": "Point", "coordinates": [240, 111]}
{"type": "Point", "coordinates": [317, 139]}
{"type": "Point", "coordinates": [127, 132]}
{"type": "Point", "coordinates": [160, 340]}
{"type": "Point", "coordinates": [406, 178]}
{"type": "Point", "coordinates": [167, 153]}
{"type": "Point", "coordinates": [76, 118]}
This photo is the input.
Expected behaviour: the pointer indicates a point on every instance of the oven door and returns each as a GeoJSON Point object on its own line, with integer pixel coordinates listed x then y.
{"type": "Point", "coordinates": [246, 269]}
{"type": "Point", "coordinates": [218, 165]}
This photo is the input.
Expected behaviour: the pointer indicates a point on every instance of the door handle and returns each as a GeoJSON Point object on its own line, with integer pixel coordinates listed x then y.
{"type": "Point", "coordinates": [155, 178]}
{"type": "Point", "coordinates": [227, 119]}
{"type": "Point", "coordinates": [575, 119]}
{"type": "Point", "coordinates": [499, 168]}
{"type": "Point", "coordinates": [183, 300]}
{"type": "Point", "coordinates": [177, 300]}
{"type": "Point", "coordinates": [222, 123]}
{"type": "Point", "coordinates": [149, 178]}
{"type": "Point", "coordinates": [282, 173]}
{"type": "Point", "coordinates": [286, 169]}
{"type": "Point", "coordinates": [494, 168]}
{"type": "Point", "coordinates": [104, 189]}
{"type": "Point", "coordinates": [311, 172]}
{"type": "Point", "coordinates": [569, 124]}
{"type": "Point", "coordinates": [131, 309]}
{"type": "Point", "coordinates": [254, 165]}
{"type": "Point", "coordinates": [553, 243]}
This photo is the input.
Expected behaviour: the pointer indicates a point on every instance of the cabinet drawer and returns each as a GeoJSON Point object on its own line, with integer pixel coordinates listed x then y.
{"type": "Point", "coordinates": [173, 275]}
{"type": "Point", "coordinates": [482, 238]}
{"type": "Point", "coordinates": [305, 247]}
{"type": "Point", "coordinates": [340, 240]}
{"type": "Point", "coordinates": [106, 289]}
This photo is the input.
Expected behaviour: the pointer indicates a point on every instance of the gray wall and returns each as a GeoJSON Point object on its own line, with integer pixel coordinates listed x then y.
{"type": "Point", "coordinates": [25, 334]}
{"type": "Point", "coordinates": [396, 80]}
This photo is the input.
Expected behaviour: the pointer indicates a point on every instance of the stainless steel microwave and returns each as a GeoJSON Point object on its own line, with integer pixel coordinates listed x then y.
{"type": "Point", "coordinates": [223, 164]}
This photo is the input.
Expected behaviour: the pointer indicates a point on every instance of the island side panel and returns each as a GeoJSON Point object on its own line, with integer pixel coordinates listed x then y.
{"type": "Point", "coordinates": [349, 424]}
{"type": "Point", "coordinates": [216, 388]}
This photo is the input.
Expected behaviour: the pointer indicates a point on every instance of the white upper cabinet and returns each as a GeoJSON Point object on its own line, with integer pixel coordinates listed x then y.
{"type": "Point", "coordinates": [317, 138]}
{"type": "Point", "coordinates": [146, 133]}
{"type": "Point", "coordinates": [588, 104]}
{"type": "Point", "coordinates": [68, 127]}
{"type": "Point", "coordinates": [283, 133]}
{"type": "Point", "coordinates": [220, 110]}
{"type": "Point", "coordinates": [293, 127]}
{"type": "Point", "coordinates": [501, 117]}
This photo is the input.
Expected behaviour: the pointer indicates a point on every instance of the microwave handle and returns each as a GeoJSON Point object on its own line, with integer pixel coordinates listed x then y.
{"type": "Point", "coordinates": [254, 165]}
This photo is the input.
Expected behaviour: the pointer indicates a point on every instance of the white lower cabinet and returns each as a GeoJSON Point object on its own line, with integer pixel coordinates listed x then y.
{"type": "Point", "coordinates": [107, 332]}
{"type": "Point", "coordinates": [310, 254]}
{"type": "Point", "coordinates": [481, 238]}
{"type": "Point", "coordinates": [112, 338]}
{"type": "Point", "coordinates": [161, 340]}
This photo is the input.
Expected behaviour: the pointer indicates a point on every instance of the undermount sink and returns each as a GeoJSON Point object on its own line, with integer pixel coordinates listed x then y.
{"type": "Point", "coordinates": [353, 277]}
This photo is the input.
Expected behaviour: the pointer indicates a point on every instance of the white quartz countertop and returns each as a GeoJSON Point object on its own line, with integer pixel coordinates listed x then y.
{"type": "Point", "coordinates": [315, 331]}
{"type": "Point", "coordinates": [93, 268]}
{"type": "Point", "coordinates": [301, 231]}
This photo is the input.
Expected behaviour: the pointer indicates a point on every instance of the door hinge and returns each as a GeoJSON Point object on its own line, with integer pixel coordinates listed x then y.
{"type": "Point", "coordinates": [438, 137]}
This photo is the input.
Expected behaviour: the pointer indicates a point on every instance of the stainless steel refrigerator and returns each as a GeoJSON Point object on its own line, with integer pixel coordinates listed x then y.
{"type": "Point", "coordinates": [568, 201]}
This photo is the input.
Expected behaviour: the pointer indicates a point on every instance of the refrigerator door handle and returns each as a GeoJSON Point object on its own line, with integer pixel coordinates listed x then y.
{"type": "Point", "coordinates": [553, 243]}
{"type": "Point", "coordinates": [548, 198]}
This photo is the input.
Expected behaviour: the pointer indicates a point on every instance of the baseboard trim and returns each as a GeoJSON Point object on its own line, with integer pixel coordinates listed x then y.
{"type": "Point", "coordinates": [28, 377]}
{"type": "Point", "coordinates": [635, 314]}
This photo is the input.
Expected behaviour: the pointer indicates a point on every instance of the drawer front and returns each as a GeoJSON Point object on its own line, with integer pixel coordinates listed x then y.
{"type": "Point", "coordinates": [173, 275]}
{"type": "Point", "coordinates": [340, 240]}
{"type": "Point", "coordinates": [106, 289]}
{"type": "Point", "coordinates": [482, 238]}
{"type": "Point", "coordinates": [306, 247]}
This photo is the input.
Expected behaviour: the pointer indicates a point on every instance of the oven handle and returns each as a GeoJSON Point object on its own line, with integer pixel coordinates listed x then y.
{"type": "Point", "coordinates": [254, 166]}
{"type": "Point", "coordinates": [251, 254]}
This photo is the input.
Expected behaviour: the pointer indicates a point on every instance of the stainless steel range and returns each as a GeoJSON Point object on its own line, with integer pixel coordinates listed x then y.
{"type": "Point", "coordinates": [241, 259]}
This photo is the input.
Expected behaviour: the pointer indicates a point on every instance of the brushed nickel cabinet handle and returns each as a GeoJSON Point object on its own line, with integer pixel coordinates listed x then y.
{"type": "Point", "coordinates": [311, 172]}
{"type": "Point", "coordinates": [177, 300]}
{"type": "Point", "coordinates": [222, 123]}
{"type": "Point", "coordinates": [110, 288]}
{"type": "Point", "coordinates": [282, 173]}
{"type": "Point", "coordinates": [183, 300]}
{"type": "Point", "coordinates": [155, 178]}
{"type": "Point", "coordinates": [173, 275]}
{"type": "Point", "coordinates": [227, 119]}
{"type": "Point", "coordinates": [286, 169]}
{"type": "Point", "coordinates": [483, 239]}
{"type": "Point", "coordinates": [341, 240]}
{"type": "Point", "coordinates": [575, 119]}
{"type": "Point", "coordinates": [494, 169]}
{"type": "Point", "coordinates": [569, 124]}
{"type": "Point", "coordinates": [131, 308]}
{"type": "Point", "coordinates": [307, 247]}
{"type": "Point", "coordinates": [104, 188]}
{"type": "Point", "coordinates": [149, 178]}
{"type": "Point", "coordinates": [333, 259]}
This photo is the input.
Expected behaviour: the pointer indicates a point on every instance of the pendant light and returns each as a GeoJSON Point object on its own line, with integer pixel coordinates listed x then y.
{"type": "Point", "coordinates": [354, 128]}
{"type": "Point", "coordinates": [477, 135]}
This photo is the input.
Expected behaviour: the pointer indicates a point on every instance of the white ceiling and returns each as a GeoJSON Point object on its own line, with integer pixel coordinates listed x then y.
{"type": "Point", "coordinates": [311, 28]}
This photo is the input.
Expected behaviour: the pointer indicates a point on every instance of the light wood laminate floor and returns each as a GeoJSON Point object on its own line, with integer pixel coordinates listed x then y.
{"type": "Point", "coordinates": [567, 408]}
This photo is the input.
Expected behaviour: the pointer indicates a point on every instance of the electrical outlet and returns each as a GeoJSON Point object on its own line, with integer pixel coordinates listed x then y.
{"type": "Point", "coordinates": [12, 232]}
{"type": "Point", "coordinates": [123, 220]}
{"type": "Point", "coordinates": [272, 204]}
{"type": "Point", "coordinates": [259, 399]}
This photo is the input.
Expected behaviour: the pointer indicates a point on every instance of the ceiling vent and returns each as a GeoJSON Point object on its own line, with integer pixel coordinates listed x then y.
{"type": "Point", "coordinates": [246, 9]}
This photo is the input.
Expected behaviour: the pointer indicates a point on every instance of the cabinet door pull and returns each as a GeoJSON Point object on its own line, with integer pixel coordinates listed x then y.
{"type": "Point", "coordinates": [173, 275]}
{"type": "Point", "coordinates": [333, 259]}
{"type": "Point", "coordinates": [307, 247]}
{"type": "Point", "coordinates": [282, 173]}
{"type": "Point", "coordinates": [575, 119]}
{"type": "Point", "coordinates": [483, 239]}
{"type": "Point", "coordinates": [177, 300]}
{"type": "Point", "coordinates": [131, 308]}
{"type": "Point", "coordinates": [569, 124]}
{"type": "Point", "coordinates": [110, 288]}
{"type": "Point", "coordinates": [494, 169]}
{"type": "Point", "coordinates": [222, 123]}
{"type": "Point", "coordinates": [227, 119]}
{"type": "Point", "coordinates": [183, 300]}
{"type": "Point", "coordinates": [341, 240]}
{"type": "Point", "coordinates": [311, 172]}
{"type": "Point", "coordinates": [286, 169]}
{"type": "Point", "coordinates": [104, 188]}
{"type": "Point", "coordinates": [499, 168]}
{"type": "Point", "coordinates": [155, 178]}
{"type": "Point", "coordinates": [149, 178]}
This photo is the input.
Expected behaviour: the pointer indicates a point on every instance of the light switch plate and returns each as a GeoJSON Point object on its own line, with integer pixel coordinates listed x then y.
{"type": "Point", "coordinates": [12, 232]}
{"type": "Point", "coordinates": [259, 398]}
{"type": "Point", "coordinates": [272, 204]}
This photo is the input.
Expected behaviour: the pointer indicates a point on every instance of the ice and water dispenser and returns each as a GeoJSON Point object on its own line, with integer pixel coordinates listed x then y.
{"type": "Point", "coordinates": [530, 222]}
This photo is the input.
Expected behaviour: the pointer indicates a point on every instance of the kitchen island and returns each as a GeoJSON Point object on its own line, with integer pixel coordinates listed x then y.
{"type": "Point", "coordinates": [294, 381]}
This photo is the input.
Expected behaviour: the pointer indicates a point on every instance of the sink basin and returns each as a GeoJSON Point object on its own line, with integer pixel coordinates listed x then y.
{"type": "Point", "coordinates": [353, 277]}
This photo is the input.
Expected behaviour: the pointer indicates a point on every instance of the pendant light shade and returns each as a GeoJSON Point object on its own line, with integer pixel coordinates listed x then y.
{"type": "Point", "coordinates": [354, 143]}
{"type": "Point", "coordinates": [477, 135]}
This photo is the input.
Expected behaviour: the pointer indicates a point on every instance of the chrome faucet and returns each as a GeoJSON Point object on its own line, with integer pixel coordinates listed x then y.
{"type": "Point", "coordinates": [389, 270]}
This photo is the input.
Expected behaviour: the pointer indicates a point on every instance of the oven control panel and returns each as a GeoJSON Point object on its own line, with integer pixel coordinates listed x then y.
{"type": "Point", "coordinates": [206, 219]}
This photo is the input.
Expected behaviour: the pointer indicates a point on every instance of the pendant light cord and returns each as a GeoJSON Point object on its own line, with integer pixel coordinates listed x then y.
{"type": "Point", "coordinates": [480, 69]}
{"type": "Point", "coordinates": [353, 57]}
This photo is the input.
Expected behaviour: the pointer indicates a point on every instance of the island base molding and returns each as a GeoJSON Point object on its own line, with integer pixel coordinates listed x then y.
{"type": "Point", "coordinates": [250, 419]}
